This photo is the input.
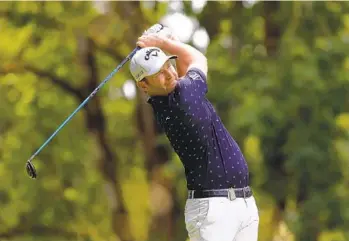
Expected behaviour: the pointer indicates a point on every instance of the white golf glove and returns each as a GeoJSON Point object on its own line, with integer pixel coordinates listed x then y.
{"type": "Point", "coordinates": [156, 28]}
{"type": "Point", "coordinates": [161, 30]}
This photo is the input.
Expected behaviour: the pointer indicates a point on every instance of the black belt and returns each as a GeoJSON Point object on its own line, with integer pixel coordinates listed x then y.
{"type": "Point", "coordinates": [231, 193]}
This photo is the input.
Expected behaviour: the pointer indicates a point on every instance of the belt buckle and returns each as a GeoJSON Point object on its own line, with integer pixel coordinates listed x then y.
{"type": "Point", "coordinates": [231, 194]}
{"type": "Point", "coordinates": [246, 191]}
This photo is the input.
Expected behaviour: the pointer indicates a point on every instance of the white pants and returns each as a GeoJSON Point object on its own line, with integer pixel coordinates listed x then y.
{"type": "Point", "coordinates": [220, 219]}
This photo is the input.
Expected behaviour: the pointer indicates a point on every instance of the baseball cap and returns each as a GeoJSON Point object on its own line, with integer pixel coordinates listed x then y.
{"type": "Point", "coordinates": [148, 61]}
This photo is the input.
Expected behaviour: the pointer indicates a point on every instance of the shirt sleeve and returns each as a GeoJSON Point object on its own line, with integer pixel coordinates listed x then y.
{"type": "Point", "coordinates": [193, 83]}
{"type": "Point", "coordinates": [189, 96]}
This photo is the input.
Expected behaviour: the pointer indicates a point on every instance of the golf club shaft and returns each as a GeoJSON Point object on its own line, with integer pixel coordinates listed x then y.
{"type": "Point", "coordinates": [84, 102]}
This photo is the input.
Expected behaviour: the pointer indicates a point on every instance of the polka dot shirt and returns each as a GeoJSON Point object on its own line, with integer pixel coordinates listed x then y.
{"type": "Point", "coordinates": [211, 157]}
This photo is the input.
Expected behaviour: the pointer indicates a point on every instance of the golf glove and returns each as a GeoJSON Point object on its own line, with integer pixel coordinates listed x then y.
{"type": "Point", "coordinates": [161, 30]}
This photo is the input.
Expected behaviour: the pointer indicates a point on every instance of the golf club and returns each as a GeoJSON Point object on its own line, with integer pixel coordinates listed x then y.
{"type": "Point", "coordinates": [29, 165]}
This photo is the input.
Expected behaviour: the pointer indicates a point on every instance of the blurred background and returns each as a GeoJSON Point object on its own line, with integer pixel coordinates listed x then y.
{"type": "Point", "coordinates": [278, 76]}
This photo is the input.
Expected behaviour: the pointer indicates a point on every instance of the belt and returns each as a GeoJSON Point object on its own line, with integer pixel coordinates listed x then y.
{"type": "Point", "coordinates": [231, 193]}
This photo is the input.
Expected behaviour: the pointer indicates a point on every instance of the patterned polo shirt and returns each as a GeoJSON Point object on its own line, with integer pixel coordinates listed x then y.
{"type": "Point", "coordinates": [210, 156]}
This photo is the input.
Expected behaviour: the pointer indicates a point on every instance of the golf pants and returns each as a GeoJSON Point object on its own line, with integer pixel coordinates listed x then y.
{"type": "Point", "coordinates": [222, 219]}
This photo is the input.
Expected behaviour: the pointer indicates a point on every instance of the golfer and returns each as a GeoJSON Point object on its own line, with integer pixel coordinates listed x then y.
{"type": "Point", "coordinates": [220, 204]}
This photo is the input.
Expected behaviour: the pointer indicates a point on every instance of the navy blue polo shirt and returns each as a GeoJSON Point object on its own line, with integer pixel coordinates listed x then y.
{"type": "Point", "coordinates": [211, 157]}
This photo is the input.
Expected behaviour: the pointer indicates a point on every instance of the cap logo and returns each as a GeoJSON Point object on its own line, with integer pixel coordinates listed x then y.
{"type": "Point", "coordinates": [151, 52]}
{"type": "Point", "coordinates": [139, 74]}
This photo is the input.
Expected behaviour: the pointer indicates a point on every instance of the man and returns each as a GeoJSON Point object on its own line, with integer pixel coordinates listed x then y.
{"type": "Point", "coordinates": [220, 204]}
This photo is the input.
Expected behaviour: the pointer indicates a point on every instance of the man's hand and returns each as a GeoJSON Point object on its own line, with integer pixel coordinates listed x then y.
{"type": "Point", "coordinates": [161, 30]}
{"type": "Point", "coordinates": [156, 28]}
{"type": "Point", "coordinates": [188, 56]}
{"type": "Point", "coordinates": [151, 40]}
{"type": "Point", "coordinates": [156, 36]}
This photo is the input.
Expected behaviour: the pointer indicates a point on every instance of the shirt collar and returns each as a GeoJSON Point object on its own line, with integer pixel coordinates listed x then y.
{"type": "Point", "coordinates": [163, 100]}
{"type": "Point", "coordinates": [159, 100]}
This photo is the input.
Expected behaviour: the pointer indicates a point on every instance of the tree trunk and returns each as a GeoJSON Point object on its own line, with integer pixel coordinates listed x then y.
{"type": "Point", "coordinates": [109, 160]}
{"type": "Point", "coordinates": [145, 122]}
{"type": "Point", "coordinates": [271, 27]}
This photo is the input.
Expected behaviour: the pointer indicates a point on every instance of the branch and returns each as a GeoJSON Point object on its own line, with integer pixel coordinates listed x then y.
{"type": "Point", "coordinates": [40, 19]}
{"type": "Point", "coordinates": [132, 13]}
{"type": "Point", "coordinates": [91, 63]}
{"type": "Point", "coordinates": [62, 83]}
{"type": "Point", "coordinates": [40, 231]}
{"type": "Point", "coordinates": [56, 80]}
{"type": "Point", "coordinates": [111, 52]}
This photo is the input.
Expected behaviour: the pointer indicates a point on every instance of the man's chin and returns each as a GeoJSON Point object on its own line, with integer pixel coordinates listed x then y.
{"type": "Point", "coordinates": [170, 87]}
{"type": "Point", "coordinates": [173, 84]}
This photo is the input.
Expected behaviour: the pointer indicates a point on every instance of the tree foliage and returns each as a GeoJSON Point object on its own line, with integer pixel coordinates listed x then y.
{"type": "Point", "coordinates": [278, 76]}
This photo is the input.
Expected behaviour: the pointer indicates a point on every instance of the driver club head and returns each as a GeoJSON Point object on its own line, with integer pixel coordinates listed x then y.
{"type": "Point", "coordinates": [31, 169]}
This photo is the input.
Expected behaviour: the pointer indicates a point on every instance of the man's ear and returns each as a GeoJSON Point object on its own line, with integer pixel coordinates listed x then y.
{"type": "Point", "coordinates": [143, 85]}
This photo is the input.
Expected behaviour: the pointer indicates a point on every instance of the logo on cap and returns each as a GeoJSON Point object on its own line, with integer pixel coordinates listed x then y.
{"type": "Point", "coordinates": [139, 74]}
{"type": "Point", "coordinates": [151, 52]}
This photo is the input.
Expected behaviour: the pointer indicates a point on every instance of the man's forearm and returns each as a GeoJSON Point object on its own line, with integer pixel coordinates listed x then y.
{"type": "Point", "coordinates": [187, 55]}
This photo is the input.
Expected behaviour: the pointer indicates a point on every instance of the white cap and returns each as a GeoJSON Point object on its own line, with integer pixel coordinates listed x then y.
{"type": "Point", "coordinates": [148, 61]}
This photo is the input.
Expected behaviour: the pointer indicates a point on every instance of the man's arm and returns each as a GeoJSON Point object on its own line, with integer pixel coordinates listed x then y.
{"type": "Point", "coordinates": [188, 56]}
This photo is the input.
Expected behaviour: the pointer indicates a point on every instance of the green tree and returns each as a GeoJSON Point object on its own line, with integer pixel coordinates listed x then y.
{"type": "Point", "coordinates": [278, 76]}
{"type": "Point", "coordinates": [288, 84]}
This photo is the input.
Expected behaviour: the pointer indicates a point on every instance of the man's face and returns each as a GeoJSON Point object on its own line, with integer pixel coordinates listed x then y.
{"type": "Point", "coordinates": [162, 82]}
